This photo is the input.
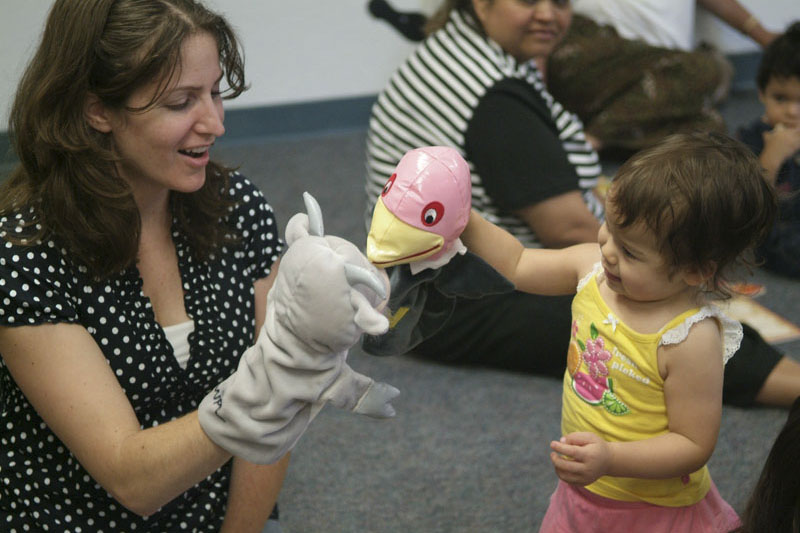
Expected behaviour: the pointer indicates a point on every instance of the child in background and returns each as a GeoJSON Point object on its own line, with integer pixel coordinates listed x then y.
{"type": "Point", "coordinates": [775, 138]}
{"type": "Point", "coordinates": [642, 396]}
{"type": "Point", "coordinates": [775, 503]}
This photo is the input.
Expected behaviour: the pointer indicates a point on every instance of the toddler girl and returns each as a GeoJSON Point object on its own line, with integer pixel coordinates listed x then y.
{"type": "Point", "coordinates": [641, 405]}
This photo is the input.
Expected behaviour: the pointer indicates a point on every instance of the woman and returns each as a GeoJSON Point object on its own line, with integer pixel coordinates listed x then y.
{"type": "Point", "coordinates": [134, 273]}
{"type": "Point", "coordinates": [476, 84]}
{"type": "Point", "coordinates": [654, 81]}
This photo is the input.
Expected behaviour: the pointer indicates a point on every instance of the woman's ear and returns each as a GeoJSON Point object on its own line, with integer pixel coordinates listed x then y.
{"type": "Point", "coordinates": [96, 114]}
{"type": "Point", "coordinates": [480, 7]}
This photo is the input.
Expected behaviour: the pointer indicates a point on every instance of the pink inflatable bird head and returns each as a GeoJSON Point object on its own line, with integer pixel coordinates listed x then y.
{"type": "Point", "coordinates": [423, 207]}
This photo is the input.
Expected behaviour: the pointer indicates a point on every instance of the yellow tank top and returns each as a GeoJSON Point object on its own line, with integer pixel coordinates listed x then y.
{"type": "Point", "coordinates": [612, 387]}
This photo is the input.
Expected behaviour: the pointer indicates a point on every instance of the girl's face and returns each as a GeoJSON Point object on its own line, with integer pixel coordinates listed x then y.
{"type": "Point", "coordinates": [781, 99]}
{"type": "Point", "coordinates": [634, 267]}
{"type": "Point", "coordinates": [166, 147]}
{"type": "Point", "coordinates": [526, 29]}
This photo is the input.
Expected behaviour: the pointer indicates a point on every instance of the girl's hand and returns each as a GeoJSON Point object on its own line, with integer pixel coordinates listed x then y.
{"type": "Point", "coordinates": [580, 458]}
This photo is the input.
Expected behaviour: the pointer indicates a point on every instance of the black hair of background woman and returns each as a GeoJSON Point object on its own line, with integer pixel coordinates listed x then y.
{"type": "Point", "coordinates": [408, 24]}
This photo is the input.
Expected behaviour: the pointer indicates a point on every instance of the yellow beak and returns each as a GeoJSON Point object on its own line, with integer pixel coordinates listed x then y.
{"type": "Point", "coordinates": [393, 242]}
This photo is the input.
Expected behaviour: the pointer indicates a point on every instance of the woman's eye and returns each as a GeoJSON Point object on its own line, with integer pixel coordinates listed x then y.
{"type": "Point", "coordinates": [178, 106]}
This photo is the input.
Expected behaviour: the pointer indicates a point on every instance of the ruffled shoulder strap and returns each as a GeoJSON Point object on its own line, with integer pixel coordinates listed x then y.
{"type": "Point", "coordinates": [731, 330]}
{"type": "Point", "coordinates": [596, 269]}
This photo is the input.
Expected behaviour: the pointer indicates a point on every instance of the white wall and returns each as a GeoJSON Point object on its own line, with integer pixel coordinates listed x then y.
{"type": "Point", "coordinates": [306, 50]}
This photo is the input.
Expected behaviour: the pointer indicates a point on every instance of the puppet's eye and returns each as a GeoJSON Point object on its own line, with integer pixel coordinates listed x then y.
{"type": "Point", "coordinates": [388, 186]}
{"type": "Point", "coordinates": [432, 213]}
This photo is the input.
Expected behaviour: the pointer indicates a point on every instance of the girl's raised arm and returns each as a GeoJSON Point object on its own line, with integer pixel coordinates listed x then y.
{"type": "Point", "coordinates": [533, 270]}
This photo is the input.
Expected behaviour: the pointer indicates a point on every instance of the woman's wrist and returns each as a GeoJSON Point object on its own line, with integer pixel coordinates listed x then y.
{"type": "Point", "coordinates": [753, 29]}
{"type": "Point", "coordinates": [749, 25]}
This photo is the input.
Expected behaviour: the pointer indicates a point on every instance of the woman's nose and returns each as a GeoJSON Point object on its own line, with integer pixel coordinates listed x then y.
{"type": "Point", "coordinates": [211, 120]}
{"type": "Point", "coordinates": [544, 9]}
{"type": "Point", "coordinates": [793, 109]}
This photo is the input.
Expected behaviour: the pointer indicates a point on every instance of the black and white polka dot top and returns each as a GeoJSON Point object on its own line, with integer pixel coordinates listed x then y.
{"type": "Point", "coordinates": [42, 486]}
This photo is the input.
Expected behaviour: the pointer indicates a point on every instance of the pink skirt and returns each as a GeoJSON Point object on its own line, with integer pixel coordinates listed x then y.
{"type": "Point", "coordinates": [576, 510]}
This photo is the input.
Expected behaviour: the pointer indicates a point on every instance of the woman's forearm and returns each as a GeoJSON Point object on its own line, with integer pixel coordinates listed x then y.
{"type": "Point", "coordinates": [157, 464]}
{"type": "Point", "coordinates": [253, 492]}
{"type": "Point", "coordinates": [739, 18]}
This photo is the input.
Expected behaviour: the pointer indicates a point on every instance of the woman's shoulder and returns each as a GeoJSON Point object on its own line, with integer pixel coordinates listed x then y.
{"type": "Point", "coordinates": [20, 246]}
{"type": "Point", "coordinates": [242, 190]}
{"type": "Point", "coordinates": [248, 200]}
{"type": "Point", "coordinates": [38, 278]}
{"type": "Point", "coordinates": [253, 216]}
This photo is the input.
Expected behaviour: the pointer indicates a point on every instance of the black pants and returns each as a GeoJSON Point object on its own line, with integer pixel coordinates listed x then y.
{"type": "Point", "coordinates": [529, 333]}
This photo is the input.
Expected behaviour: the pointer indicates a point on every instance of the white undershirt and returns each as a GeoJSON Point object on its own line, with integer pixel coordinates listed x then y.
{"type": "Point", "coordinates": [664, 23]}
{"type": "Point", "coordinates": [178, 337]}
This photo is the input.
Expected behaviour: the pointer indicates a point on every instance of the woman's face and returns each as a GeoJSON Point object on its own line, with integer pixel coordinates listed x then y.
{"type": "Point", "coordinates": [166, 147]}
{"type": "Point", "coordinates": [526, 29]}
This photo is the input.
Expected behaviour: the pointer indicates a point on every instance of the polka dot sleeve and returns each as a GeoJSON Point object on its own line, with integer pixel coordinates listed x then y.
{"type": "Point", "coordinates": [256, 224]}
{"type": "Point", "coordinates": [34, 285]}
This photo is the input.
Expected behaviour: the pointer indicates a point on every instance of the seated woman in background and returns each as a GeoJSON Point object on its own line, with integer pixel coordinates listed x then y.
{"type": "Point", "coordinates": [476, 84]}
{"type": "Point", "coordinates": [631, 72]}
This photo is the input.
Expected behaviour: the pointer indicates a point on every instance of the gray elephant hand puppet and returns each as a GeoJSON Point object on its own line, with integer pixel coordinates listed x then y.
{"type": "Point", "coordinates": [325, 295]}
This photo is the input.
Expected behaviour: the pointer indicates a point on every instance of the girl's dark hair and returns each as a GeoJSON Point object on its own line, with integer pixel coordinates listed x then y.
{"type": "Point", "coordinates": [704, 196]}
{"type": "Point", "coordinates": [781, 58]}
{"type": "Point", "coordinates": [67, 174]}
{"type": "Point", "coordinates": [774, 505]}
{"type": "Point", "coordinates": [440, 17]}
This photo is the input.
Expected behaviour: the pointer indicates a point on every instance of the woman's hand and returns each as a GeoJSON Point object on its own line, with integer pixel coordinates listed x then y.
{"type": "Point", "coordinates": [580, 458]}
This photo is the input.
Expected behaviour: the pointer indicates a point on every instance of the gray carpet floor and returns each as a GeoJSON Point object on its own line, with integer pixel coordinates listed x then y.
{"type": "Point", "coordinates": [468, 450]}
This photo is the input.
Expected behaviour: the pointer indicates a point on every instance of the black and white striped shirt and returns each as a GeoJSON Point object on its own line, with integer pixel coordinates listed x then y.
{"type": "Point", "coordinates": [431, 99]}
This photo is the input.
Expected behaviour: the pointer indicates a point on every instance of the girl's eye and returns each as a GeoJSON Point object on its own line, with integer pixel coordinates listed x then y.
{"type": "Point", "coordinates": [388, 186]}
{"type": "Point", "coordinates": [628, 253]}
{"type": "Point", "coordinates": [432, 213]}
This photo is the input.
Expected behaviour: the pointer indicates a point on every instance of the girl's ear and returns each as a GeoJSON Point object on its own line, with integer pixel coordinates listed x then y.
{"type": "Point", "coordinates": [96, 114]}
{"type": "Point", "coordinates": [697, 276]}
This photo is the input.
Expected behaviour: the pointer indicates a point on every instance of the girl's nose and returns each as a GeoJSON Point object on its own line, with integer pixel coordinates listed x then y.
{"type": "Point", "coordinates": [608, 250]}
{"type": "Point", "coordinates": [544, 10]}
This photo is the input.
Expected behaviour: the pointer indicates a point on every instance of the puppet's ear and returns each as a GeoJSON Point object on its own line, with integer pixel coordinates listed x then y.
{"type": "Point", "coordinates": [315, 226]}
{"type": "Point", "coordinates": [305, 224]}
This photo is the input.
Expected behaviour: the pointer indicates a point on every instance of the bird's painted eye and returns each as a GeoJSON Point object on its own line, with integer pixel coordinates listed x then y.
{"type": "Point", "coordinates": [432, 213]}
{"type": "Point", "coordinates": [388, 186]}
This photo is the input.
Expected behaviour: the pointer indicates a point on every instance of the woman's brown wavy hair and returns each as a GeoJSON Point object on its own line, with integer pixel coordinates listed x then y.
{"type": "Point", "coordinates": [67, 176]}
